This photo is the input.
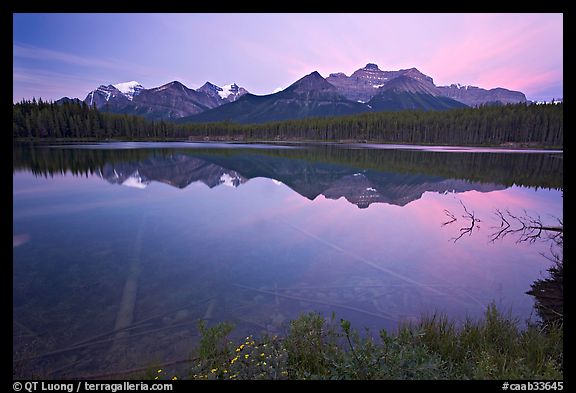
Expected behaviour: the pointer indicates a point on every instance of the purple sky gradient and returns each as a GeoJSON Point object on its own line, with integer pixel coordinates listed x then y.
{"type": "Point", "coordinates": [58, 55]}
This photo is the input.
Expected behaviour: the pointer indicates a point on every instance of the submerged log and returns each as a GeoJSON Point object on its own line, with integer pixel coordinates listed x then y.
{"type": "Point", "coordinates": [125, 314]}
{"type": "Point", "coordinates": [302, 299]}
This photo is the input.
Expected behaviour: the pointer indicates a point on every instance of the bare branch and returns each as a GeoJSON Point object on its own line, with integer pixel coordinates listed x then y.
{"type": "Point", "coordinates": [528, 228]}
{"type": "Point", "coordinates": [470, 229]}
{"type": "Point", "coordinates": [504, 225]}
{"type": "Point", "coordinates": [452, 217]}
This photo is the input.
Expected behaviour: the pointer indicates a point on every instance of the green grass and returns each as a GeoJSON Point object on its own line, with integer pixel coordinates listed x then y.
{"type": "Point", "coordinates": [493, 347]}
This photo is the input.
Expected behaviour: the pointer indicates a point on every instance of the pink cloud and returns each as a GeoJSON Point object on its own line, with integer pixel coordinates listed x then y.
{"type": "Point", "coordinates": [521, 81]}
{"type": "Point", "coordinates": [501, 51]}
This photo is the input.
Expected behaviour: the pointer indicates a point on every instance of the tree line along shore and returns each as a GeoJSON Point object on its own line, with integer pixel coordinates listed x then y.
{"type": "Point", "coordinates": [514, 125]}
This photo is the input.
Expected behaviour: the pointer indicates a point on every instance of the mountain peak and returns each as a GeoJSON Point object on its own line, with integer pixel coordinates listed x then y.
{"type": "Point", "coordinates": [171, 85]}
{"type": "Point", "coordinates": [103, 94]}
{"type": "Point", "coordinates": [211, 86]}
{"type": "Point", "coordinates": [227, 93]}
{"type": "Point", "coordinates": [124, 87]}
{"type": "Point", "coordinates": [312, 81]}
{"type": "Point", "coordinates": [313, 76]}
{"type": "Point", "coordinates": [372, 67]}
{"type": "Point", "coordinates": [311, 95]}
{"type": "Point", "coordinates": [411, 71]}
{"type": "Point", "coordinates": [129, 89]}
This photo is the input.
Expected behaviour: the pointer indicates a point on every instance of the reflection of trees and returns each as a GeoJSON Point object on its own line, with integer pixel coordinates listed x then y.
{"type": "Point", "coordinates": [549, 295]}
{"type": "Point", "coordinates": [548, 292]}
{"type": "Point", "coordinates": [526, 169]}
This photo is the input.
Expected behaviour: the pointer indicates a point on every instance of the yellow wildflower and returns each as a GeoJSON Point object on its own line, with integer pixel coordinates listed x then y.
{"type": "Point", "coordinates": [233, 360]}
{"type": "Point", "coordinates": [213, 370]}
{"type": "Point", "coordinates": [246, 356]}
{"type": "Point", "coordinates": [159, 371]}
{"type": "Point", "coordinates": [174, 378]}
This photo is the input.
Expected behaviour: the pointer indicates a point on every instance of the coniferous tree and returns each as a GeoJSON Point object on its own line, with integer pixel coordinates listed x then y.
{"type": "Point", "coordinates": [487, 125]}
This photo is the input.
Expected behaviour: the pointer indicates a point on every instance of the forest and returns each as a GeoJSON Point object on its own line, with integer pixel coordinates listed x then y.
{"type": "Point", "coordinates": [528, 125]}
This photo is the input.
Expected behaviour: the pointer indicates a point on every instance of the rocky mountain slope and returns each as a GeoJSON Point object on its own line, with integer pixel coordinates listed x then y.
{"type": "Point", "coordinates": [366, 89]}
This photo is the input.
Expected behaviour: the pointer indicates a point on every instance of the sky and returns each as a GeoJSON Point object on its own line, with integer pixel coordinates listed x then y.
{"type": "Point", "coordinates": [57, 55]}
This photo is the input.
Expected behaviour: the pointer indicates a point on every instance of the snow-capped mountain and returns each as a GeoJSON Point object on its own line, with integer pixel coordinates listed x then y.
{"type": "Point", "coordinates": [232, 92]}
{"type": "Point", "coordinates": [104, 95]}
{"type": "Point", "coordinates": [367, 89]}
{"type": "Point", "coordinates": [364, 83]}
{"type": "Point", "coordinates": [170, 101]}
{"type": "Point", "coordinates": [367, 82]}
{"type": "Point", "coordinates": [115, 95]}
{"type": "Point", "coordinates": [129, 89]}
{"type": "Point", "coordinates": [309, 96]}
{"type": "Point", "coordinates": [227, 93]}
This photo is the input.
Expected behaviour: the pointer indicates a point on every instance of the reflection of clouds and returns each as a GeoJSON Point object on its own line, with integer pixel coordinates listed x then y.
{"type": "Point", "coordinates": [484, 268]}
{"type": "Point", "coordinates": [281, 235]}
{"type": "Point", "coordinates": [408, 241]}
{"type": "Point", "coordinates": [515, 198]}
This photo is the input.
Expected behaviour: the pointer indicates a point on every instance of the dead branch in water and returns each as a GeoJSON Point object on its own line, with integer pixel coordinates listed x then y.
{"type": "Point", "coordinates": [452, 217]}
{"type": "Point", "coordinates": [466, 229]}
{"type": "Point", "coordinates": [528, 228]}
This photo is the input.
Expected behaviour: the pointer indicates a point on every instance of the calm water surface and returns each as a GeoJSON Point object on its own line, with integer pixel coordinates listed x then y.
{"type": "Point", "coordinates": [120, 248]}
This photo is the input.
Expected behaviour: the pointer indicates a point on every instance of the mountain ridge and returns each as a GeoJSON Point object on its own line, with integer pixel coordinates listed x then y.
{"type": "Point", "coordinates": [367, 89]}
{"type": "Point", "coordinates": [310, 96]}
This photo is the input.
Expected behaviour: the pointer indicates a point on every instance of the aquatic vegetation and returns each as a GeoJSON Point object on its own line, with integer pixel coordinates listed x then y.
{"type": "Point", "coordinates": [492, 347]}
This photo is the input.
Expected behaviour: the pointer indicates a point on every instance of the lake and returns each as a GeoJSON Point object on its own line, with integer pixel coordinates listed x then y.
{"type": "Point", "coordinates": [120, 248]}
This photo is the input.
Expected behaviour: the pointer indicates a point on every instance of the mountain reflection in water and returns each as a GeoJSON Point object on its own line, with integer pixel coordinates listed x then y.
{"type": "Point", "coordinates": [152, 238]}
{"type": "Point", "coordinates": [308, 179]}
{"type": "Point", "coordinates": [361, 176]}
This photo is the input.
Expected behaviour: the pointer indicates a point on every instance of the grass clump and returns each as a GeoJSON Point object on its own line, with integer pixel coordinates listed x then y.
{"type": "Point", "coordinates": [494, 347]}
{"type": "Point", "coordinates": [315, 347]}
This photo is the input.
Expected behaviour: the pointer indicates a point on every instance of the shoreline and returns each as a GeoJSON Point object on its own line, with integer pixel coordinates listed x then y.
{"type": "Point", "coordinates": [508, 147]}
